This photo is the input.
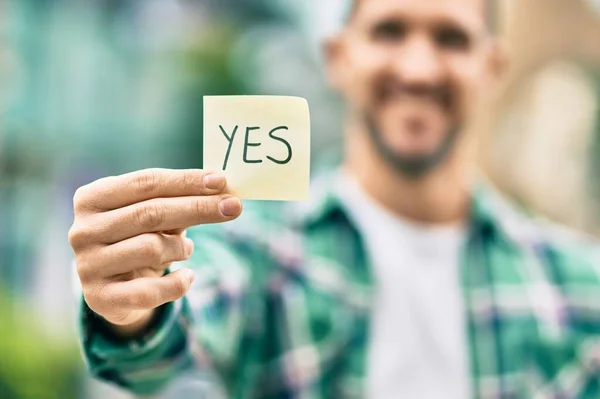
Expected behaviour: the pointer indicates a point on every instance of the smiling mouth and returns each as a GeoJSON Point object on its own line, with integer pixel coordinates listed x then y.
{"type": "Point", "coordinates": [416, 94]}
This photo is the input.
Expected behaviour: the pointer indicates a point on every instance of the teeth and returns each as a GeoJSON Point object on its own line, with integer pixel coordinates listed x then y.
{"type": "Point", "coordinates": [400, 93]}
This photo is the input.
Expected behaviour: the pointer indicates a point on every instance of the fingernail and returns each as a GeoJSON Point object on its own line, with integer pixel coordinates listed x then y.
{"type": "Point", "coordinates": [189, 244]}
{"type": "Point", "coordinates": [189, 275]}
{"type": "Point", "coordinates": [214, 182]}
{"type": "Point", "coordinates": [230, 207]}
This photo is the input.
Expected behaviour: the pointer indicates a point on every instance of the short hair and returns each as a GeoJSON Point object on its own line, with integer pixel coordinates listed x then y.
{"type": "Point", "coordinates": [491, 14]}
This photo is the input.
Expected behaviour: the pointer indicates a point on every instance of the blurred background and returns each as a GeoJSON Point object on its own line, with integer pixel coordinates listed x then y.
{"type": "Point", "coordinates": [104, 87]}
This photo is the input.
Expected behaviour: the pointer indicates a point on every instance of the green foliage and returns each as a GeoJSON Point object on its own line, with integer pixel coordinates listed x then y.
{"type": "Point", "coordinates": [31, 365]}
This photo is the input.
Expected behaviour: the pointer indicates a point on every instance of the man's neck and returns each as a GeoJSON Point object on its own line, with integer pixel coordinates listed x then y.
{"type": "Point", "coordinates": [440, 197]}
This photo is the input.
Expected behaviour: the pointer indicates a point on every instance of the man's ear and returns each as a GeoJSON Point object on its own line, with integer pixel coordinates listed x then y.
{"type": "Point", "coordinates": [333, 60]}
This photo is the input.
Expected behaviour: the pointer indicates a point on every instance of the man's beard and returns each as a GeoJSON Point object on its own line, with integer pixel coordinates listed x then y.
{"type": "Point", "coordinates": [413, 167]}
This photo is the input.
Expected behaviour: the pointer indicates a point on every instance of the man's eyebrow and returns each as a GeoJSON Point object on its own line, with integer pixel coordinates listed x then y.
{"type": "Point", "coordinates": [454, 25]}
{"type": "Point", "coordinates": [389, 19]}
{"type": "Point", "coordinates": [437, 24]}
{"type": "Point", "coordinates": [491, 14]}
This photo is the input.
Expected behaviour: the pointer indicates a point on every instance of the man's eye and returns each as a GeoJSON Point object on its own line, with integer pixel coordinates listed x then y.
{"type": "Point", "coordinates": [389, 31]}
{"type": "Point", "coordinates": [453, 39]}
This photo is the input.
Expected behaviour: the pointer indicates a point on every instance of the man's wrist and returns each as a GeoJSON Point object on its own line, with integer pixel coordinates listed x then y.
{"type": "Point", "coordinates": [136, 329]}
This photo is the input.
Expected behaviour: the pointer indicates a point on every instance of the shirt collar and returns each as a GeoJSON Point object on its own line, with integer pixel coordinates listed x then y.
{"type": "Point", "coordinates": [322, 203]}
{"type": "Point", "coordinates": [491, 212]}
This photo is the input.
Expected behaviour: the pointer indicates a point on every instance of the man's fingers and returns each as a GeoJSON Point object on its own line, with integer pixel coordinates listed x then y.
{"type": "Point", "coordinates": [148, 292]}
{"type": "Point", "coordinates": [119, 191]}
{"type": "Point", "coordinates": [154, 250]}
{"type": "Point", "coordinates": [158, 215]}
{"type": "Point", "coordinates": [177, 232]}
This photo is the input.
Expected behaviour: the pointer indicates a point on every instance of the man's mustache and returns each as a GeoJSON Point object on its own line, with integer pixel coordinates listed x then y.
{"type": "Point", "coordinates": [441, 94]}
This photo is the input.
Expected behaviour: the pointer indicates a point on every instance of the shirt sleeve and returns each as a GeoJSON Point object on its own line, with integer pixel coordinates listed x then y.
{"type": "Point", "coordinates": [143, 365]}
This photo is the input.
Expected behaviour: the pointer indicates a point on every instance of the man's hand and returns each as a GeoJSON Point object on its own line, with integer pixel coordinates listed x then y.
{"type": "Point", "coordinates": [127, 231]}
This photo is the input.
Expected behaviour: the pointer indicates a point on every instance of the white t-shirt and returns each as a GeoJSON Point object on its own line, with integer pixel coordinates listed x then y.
{"type": "Point", "coordinates": [418, 346]}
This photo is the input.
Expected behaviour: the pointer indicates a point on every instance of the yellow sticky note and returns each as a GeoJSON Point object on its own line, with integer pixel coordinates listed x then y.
{"type": "Point", "coordinates": [261, 144]}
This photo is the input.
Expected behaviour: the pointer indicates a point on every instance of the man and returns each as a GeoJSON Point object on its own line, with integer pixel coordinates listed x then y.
{"type": "Point", "coordinates": [404, 277]}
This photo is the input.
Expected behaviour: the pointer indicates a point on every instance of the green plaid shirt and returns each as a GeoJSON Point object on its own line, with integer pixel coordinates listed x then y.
{"type": "Point", "coordinates": [280, 308]}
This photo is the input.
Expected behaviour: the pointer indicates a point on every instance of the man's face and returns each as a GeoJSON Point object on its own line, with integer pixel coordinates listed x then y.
{"type": "Point", "coordinates": [412, 71]}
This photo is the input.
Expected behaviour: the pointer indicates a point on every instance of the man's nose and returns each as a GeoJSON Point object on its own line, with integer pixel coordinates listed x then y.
{"type": "Point", "coordinates": [418, 62]}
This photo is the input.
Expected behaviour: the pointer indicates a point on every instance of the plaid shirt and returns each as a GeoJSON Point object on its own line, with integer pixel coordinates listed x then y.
{"type": "Point", "coordinates": [280, 308]}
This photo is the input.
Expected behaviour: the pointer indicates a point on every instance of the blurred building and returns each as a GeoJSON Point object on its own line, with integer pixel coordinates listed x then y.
{"type": "Point", "coordinates": [544, 133]}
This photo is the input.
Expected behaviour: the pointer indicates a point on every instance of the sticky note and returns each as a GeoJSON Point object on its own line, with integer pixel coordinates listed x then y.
{"type": "Point", "coordinates": [261, 144]}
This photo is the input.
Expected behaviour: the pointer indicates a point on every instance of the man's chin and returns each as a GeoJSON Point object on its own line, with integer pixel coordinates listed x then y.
{"type": "Point", "coordinates": [413, 162]}
{"type": "Point", "coordinates": [412, 153]}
